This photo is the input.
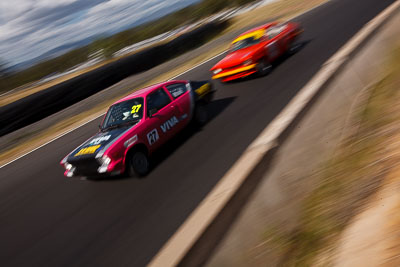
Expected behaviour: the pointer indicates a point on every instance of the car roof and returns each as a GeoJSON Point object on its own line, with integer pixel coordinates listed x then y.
{"type": "Point", "coordinates": [253, 32]}
{"type": "Point", "coordinates": [147, 90]}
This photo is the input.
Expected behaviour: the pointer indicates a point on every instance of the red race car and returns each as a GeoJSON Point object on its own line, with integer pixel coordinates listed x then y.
{"type": "Point", "coordinates": [255, 50]}
{"type": "Point", "coordinates": [137, 125]}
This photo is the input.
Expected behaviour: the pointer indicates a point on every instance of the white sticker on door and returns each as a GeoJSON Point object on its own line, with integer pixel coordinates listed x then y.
{"type": "Point", "coordinates": [152, 136]}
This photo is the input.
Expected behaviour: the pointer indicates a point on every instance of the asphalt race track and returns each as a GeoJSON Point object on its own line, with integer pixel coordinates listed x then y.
{"type": "Point", "coordinates": [49, 220]}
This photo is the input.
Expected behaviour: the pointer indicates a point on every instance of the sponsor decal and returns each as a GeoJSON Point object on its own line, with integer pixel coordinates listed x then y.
{"type": "Point", "coordinates": [152, 136]}
{"type": "Point", "coordinates": [177, 93]}
{"type": "Point", "coordinates": [176, 90]}
{"type": "Point", "coordinates": [169, 124]}
{"type": "Point", "coordinates": [130, 141]}
{"type": "Point", "coordinates": [87, 150]}
{"type": "Point", "coordinates": [134, 111]}
{"type": "Point", "coordinates": [184, 116]}
{"type": "Point", "coordinates": [126, 115]}
{"type": "Point", "coordinates": [99, 140]}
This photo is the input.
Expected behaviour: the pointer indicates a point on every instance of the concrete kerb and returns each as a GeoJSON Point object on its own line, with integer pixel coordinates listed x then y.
{"type": "Point", "coordinates": [194, 241]}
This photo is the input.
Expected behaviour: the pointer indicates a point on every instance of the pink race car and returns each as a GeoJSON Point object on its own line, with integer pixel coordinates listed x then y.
{"type": "Point", "coordinates": [137, 125]}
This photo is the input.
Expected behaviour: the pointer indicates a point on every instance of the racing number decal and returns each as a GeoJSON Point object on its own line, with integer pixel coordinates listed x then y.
{"type": "Point", "coordinates": [152, 136]}
{"type": "Point", "coordinates": [135, 108]}
{"type": "Point", "coordinates": [134, 111]}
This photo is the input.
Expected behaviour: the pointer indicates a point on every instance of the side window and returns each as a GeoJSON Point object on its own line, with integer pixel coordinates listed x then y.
{"type": "Point", "coordinates": [177, 89]}
{"type": "Point", "coordinates": [157, 100]}
{"type": "Point", "coordinates": [275, 30]}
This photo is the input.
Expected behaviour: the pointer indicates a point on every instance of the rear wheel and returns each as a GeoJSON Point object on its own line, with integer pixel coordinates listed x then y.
{"type": "Point", "coordinates": [293, 47]}
{"type": "Point", "coordinates": [200, 115]}
{"type": "Point", "coordinates": [264, 67]}
{"type": "Point", "coordinates": [138, 164]}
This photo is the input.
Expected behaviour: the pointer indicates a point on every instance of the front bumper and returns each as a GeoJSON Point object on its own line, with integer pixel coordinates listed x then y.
{"type": "Point", "coordinates": [240, 72]}
{"type": "Point", "coordinates": [90, 168]}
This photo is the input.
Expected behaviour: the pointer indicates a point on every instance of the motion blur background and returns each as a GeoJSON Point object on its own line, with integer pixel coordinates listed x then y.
{"type": "Point", "coordinates": [41, 38]}
{"type": "Point", "coordinates": [63, 63]}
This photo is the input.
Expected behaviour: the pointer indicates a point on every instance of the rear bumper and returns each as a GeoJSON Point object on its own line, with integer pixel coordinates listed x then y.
{"type": "Point", "coordinates": [237, 73]}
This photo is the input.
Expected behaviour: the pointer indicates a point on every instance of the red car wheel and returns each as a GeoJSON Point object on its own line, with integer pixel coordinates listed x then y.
{"type": "Point", "coordinates": [264, 67]}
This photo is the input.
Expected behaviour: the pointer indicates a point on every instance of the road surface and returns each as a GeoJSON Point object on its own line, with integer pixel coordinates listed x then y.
{"type": "Point", "coordinates": [49, 220]}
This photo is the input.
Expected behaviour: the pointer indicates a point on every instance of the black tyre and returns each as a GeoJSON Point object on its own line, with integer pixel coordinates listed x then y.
{"type": "Point", "coordinates": [200, 116]}
{"type": "Point", "coordinates": [293, 47]}
{"type": "Point", "coordinates": [138, 164]}
{"type": "Point", "coordinates": [264, 67]}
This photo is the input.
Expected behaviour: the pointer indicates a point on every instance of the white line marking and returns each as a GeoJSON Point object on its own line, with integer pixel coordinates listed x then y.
{"type": "Point", "coordinates": [186, 71]}
{"type": "Point", "coordinates": [204, 62]}
{"type": "Point", "coordinates": [55, 138]}
{"type": "Point", "coordinates": [8, 92]}
{"type": "Point", "coordinates": [191, 230]}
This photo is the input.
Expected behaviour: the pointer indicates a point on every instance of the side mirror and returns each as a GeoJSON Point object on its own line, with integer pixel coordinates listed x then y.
{"type": "Point", "coordinates": [152, 112]}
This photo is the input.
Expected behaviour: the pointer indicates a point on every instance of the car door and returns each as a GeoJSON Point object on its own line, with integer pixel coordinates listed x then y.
{"type": "Point", "coordinates": [161, 118]}
{"type": "Point", "coordinates": [274, 46]}
{"type": "Point", "coordinates": [182, 102]}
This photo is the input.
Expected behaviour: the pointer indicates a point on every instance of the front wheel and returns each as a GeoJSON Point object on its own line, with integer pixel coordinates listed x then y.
{"type": "Point", "coordinates": [264, 67]}
{"type": "Point", "coordinates": [138, 164]}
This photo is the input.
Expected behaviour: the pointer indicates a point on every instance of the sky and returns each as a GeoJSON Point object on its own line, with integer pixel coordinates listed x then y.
{"type": "Point", "coordinates": [29, 28]}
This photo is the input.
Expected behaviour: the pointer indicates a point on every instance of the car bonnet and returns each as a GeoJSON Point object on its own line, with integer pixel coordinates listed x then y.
{"type": "Point", "coordinates": [97, 145]}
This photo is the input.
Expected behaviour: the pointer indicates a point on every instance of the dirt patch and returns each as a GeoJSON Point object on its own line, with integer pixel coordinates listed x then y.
{"type": "Point", "coordinates": [372, 238]}
{"type": "Point", "coordinates": [348, 184]}
{"type": "Point", "coordinates": [280, 10]}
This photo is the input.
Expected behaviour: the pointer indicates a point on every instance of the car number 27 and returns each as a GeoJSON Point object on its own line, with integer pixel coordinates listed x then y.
{"type": "Point", "coordinates": [152, 136]}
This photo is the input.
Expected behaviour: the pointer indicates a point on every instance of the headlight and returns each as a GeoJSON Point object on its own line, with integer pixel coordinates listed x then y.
{"type": "Point", "coordinates": [68, 166]}
{"type": "Point", "coordinates": [217, 71]}
{"type": "Point", "coordinates": [105, 161]}
{"type": "Point", "coordinates": [70, 169]}
{"type": "Point", "coordinates": [248, 62]}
